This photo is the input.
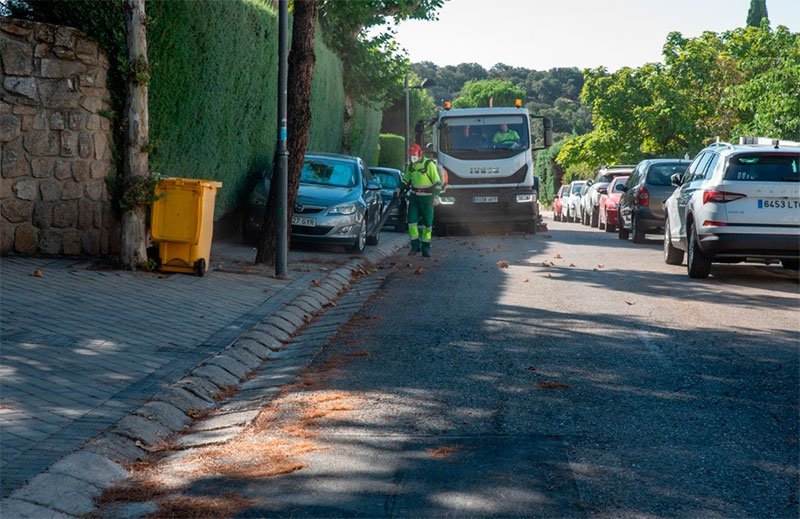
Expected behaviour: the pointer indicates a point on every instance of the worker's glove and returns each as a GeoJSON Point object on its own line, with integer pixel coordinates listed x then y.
{"type": "Point", "coordinates": [437, 191]}
{"type": "Point", "coordinates": [397, 193]}
{"type": "Point", "coordinates": [436, 201]}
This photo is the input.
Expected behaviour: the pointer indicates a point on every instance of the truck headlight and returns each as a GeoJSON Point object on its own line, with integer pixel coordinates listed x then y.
{"type": "Point", "coordinates": [525, 198]}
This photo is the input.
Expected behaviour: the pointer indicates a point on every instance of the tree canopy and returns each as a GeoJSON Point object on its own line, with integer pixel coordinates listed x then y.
{"type": "Point", "coordinates": [740, 82]}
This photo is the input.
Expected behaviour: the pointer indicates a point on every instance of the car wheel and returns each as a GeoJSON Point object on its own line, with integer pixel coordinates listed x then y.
{"type": "Point", "coordinates": [622, 232]}
{"type": "Point", "coordinates": [594, 218]}
{"type": "Point", "coordinates": [698, 265]}
{"type": "Point", "coordinates": [610, 227]}
{"type": "Point", "coordinates": [638, 234]}
{"type": "Point", "coordinates": [672, 255]}
{"type": "Point", "coordinates": [361, 241]}
{"type": "Point", "coordinates": [791, 264]}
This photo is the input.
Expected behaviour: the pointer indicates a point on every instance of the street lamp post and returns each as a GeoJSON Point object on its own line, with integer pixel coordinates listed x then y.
{"type": "Point", "coordinates": [426, 83]}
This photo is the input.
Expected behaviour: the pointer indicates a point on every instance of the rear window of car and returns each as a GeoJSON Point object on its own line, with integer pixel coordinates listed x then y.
{"type": "Point", "coordinates": [761, 167]}
{"type": "Point", "coordinates": [661, 174]}
{"type": "Point", "coordinates": [576, 188]}
{"type": "Point", "coordinates": [387, 180]}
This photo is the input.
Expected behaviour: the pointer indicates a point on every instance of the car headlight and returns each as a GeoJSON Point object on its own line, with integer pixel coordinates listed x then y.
{"type": "Point", "coordinates": [347, 208]}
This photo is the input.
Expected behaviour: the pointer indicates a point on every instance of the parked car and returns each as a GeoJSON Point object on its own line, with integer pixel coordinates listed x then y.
{"type": "Point", "coordinates": [338, 202]}
{"type": "Point", "coordinates": [390, 179]}
{"type": "Point", "coordinates": [571, 200]}
{"type": "Point", "coordinates": [736, 203]}
{"type": "Point", "coordinates": [641, 206]}
{"type": "Point", "coordinates": [608, 218]}
{"type": "Point", "coordinates": [590, 202]}
{"type": "Point", "coordinates": [581, 201]}
{"type": "Point", "coordinates": [558, 214]}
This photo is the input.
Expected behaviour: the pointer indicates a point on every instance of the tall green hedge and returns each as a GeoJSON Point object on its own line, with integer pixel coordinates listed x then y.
{"type": "Point", "coordinates": [213, 109]}
{"type": "Point", "coordinates": [392, 151]}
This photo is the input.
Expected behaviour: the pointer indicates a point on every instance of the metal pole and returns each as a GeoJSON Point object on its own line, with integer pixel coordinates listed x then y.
{"type": "Point", "coordinates": [405, 152]}
{"type": "Point", "coordinates": [281, 239]}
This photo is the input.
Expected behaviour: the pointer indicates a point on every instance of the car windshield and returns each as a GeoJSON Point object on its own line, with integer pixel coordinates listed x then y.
{"type": "Point", "coordinates": [328, 172]}
{"type": "Point", "coordinates": [661, 174]}
{"type": "Point", "coordinates": [386, 180]}
{"type": "Point", "coordinates": [484, 137]}
{"type": "Point", "coordinates": [772, 167]}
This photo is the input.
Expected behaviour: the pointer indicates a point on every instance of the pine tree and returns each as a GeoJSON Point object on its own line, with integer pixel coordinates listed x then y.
{"type": "Point", "coordinates": [757, 11]}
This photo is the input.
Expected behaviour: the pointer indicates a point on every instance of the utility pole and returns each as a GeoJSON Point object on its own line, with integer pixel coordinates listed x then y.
{"type": "Point", "coordinates": [281, 239]}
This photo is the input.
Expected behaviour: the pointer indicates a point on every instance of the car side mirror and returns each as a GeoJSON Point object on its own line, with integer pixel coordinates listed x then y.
{"type": "Point", "coordinates": [675, 179]}
{"type": "Point", "coordinates": [373, 185]}
{"type": "Point", "coordinates": [602, 190]}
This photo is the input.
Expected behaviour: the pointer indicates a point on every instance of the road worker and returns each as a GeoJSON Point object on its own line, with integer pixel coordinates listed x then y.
{"type": "Point", "coordinates": [422, 177]}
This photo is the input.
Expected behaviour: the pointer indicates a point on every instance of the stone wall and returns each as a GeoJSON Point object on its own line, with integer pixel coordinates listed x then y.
{"type": "Point", "coordinates": [56, 143]}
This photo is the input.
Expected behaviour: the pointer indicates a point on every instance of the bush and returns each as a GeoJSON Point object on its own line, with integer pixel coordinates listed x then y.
{"type": "Point", "coordinates": [392, 151]}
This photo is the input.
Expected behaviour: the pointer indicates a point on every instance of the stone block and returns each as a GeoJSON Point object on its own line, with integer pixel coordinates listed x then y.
{"type": "Point", "coordinates": [50, 242]}
{"type": "Point", "coordinates": [164, 413]}
{"type": "Point", "coordinates": [41, 143]}
{"type": "Point", "coordinates": [17, 58]}
{"type": "Point", "coordinates": [26, 190]}
{"type": "Point", "coordinates": [24, 86]}
{"type": "Point", "coordinates": [42, 168]}
{"type": "Point", "coordinates": [90, 467]}
{"type": "Point", "coordinates": [10, 126]}
{"type": "Point", "coordinates": [50, 190]}
{"type": "Point", "coordinates": [17, 211]}
{"type": "Point", "coordinates": [25, 239]}
{"type": "Point", "coordinates": [43, 215]}
{"type": "Point", "coordinates": [65, 214]}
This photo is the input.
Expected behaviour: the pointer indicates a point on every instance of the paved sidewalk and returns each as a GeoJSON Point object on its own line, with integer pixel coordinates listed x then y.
{"type": "Point", "coordinates": [99, 365]}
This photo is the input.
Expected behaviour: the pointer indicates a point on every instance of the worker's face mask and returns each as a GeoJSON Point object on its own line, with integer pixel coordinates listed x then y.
{"type": "Point", "coordinates": [414, 158]}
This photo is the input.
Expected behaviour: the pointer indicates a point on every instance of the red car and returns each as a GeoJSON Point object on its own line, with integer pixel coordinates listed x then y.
{"type": "Point", "coordinates": [609, 205]}
{"type": "Point", "coordinates": [558, 215]}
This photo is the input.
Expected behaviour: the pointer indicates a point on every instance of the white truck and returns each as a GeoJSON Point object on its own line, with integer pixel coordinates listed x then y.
{"type": "Point", "coordinates": [489, 173]}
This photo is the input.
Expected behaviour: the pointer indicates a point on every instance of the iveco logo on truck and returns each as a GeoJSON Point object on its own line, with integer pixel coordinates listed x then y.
{"type": "Point", "coordinates": [487, 157]}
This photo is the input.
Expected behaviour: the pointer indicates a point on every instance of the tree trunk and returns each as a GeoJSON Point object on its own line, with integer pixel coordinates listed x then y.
{"type": "Point", "coordinates": [298, 107]}
{"type": "Point", "coordinates": [136, 173]}
{"type": "Point", "coordinates": [348, 117]}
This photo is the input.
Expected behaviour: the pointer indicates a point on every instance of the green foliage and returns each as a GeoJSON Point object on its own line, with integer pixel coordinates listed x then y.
{"type": "Point", "coordinates": [549, 172]}
{"type": "Point", "coordinates": [212, 113]}
{"type": "Point", "coordinates": [740, 82]}
{"type": "Point", "coordinates": [365, 131]}
{"type": "Point", "coordinates": [327, 100]}
{"type": "Point", "coordinates": [372, 59]}
{"type": "Point", "coordinates": [757, 11]}
{"type": "Point", "coordinates": [392, 151]}
{"type": "Point", "coordinates": [490, 92]}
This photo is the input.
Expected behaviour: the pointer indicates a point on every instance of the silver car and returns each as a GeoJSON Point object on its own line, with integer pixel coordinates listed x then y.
{"type": "Point", "coordinates": [338, 203]}
{"type": "Point", "coordinates": [736, 203]}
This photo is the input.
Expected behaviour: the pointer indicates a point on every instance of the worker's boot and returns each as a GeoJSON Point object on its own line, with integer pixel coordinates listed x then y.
{"type": "Point", "coordinates": [414, 248]}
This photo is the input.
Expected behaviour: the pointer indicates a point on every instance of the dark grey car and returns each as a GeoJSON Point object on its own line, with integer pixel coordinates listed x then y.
{"type": "Point", "coordinates": [641, 208]}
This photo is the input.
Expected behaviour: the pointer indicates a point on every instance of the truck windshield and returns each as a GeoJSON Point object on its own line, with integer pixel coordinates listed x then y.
{"type": "Point", "coordinates": [477, 137]}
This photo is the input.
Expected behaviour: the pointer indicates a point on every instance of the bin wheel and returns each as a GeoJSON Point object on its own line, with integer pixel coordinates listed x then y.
{"type": "Point", "coordinates": [200, 266]}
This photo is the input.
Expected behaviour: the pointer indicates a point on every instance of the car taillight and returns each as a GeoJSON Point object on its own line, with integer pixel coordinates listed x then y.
{"type": "Point", "coordinates": [720, 197]}
{"type": "Point", "coordinates": [643, 197]}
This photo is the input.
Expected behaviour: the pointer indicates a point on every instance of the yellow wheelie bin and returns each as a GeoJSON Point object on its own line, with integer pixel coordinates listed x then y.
{"type": "Point", "coordinates": [182, 222]}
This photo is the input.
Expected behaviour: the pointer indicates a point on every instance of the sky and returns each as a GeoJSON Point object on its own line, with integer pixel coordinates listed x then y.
{"type": "Point", "coordinates": [545, 34]}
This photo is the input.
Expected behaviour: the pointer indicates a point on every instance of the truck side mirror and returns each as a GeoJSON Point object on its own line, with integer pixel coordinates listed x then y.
{"type": "Point", "coordinates": [548, 132]}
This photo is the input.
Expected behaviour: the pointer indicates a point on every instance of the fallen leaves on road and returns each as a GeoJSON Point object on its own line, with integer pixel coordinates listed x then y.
{"type": "Point", "coordinates": [552, 385]}
{"type": "Point", "coordinates": [502, 264]}
{"type": "Point", "coordinates": [37, 273]}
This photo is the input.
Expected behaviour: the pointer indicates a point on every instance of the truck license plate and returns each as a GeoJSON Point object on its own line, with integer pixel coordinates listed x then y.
{"type": "Point", "coordinates": [304, 222]}
{"type": "Point", "coordinates": [484, 199]}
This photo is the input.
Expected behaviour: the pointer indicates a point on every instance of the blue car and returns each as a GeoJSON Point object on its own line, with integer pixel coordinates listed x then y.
{"type": "Point", "coordinates": [390, 179]}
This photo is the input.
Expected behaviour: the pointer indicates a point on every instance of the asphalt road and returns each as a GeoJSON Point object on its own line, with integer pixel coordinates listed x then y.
{"type": "Point", "coordinates": [565, 374]}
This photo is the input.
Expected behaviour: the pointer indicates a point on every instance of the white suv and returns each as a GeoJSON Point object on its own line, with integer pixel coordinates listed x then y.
{"type": "Point", "coordinates": [735, 204]}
